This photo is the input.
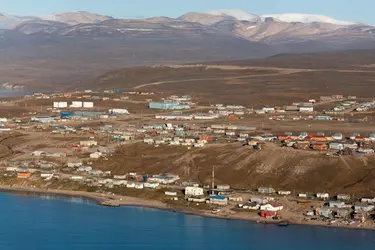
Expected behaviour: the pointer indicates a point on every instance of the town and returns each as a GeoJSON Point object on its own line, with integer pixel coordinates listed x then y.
{"type": "Point", "coordinates": [64, 140]}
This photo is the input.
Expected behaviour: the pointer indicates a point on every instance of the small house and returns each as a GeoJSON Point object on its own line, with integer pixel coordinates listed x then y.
{"type": "Point", "coordinates": [336, 204]}
{"type": "Point", "coordinates": [170, 193]}
{"type": "Point", "coordinates": [322, 196]}
{"type": "Point", "coordinates": [284, 192]}
{"type": "Point", "coordinates": [363, 208]}
{"type": "Point", "coordinates": [344, 197]}
{"type": "Point", "coordinates": [342, 213]}
{"type": "Point", "coordinates": [266, 190]}
{"type": "Point", "coordinates": [324, 212]}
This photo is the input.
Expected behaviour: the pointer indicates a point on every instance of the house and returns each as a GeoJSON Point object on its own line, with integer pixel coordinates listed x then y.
{"type": "Point", "coordinates": [336, 146]}
{"type": "Point", "coordinates": [138, 186]}
{"type": "Point", "coordinates": [302, 195]}
{"type": "Point", "coordinates": [284, 192]}
{"type": "Point", "coordinates": [266, 190]}
{"type": "Point", "coordinates": [218, 200]}
{"type": "Point", "coordinates": [130, 185]}
{"type": "Point", "coordinates": [319, 146]}
{"type": "Point", "coordinates": [38, 153]}
{"type": "Point", "coordinates": [250, 205]}
{"type": "Point", "coordinates": [88, 143]}
{"type": "Point", "coordinates": [342, 213]}
{"type": "Point", "coordinates": [306, 109]}
{"type": "Point", "coordinates": [77, 178]}
{"type": "Point", "coordinates": [170, 193]}
{"type": "Point", "coordinates": [272, 207]}
{"type": "Point", "coordinates": [194, 191]}
{"type": "Point", "coordinates": [322, 196]}
{"type": "Point", "coordinates": [324, 212]}
{"type": "Point", "coordinates": [338, 136]}
{"type": "Point", "coordinates": [336, 204]}
{"type": "Point", "coordinates": [363, 208]}
{"type": "Point", "coordinates": [119, 182]}
{"type": "Point", "coordinates": [235, 198]}
{"type": "Point", "coordinates": [120, 177]}
{"type": "Point", "coordinates": [368, 200]}
{"type": "Point", "coordinates": [95, 155]}
{"type": "Point", "coordinates": [152, 185]}
{"type": "Point", "coordinates": [74, 164]}
{"type": "Point", "coordinates": [259, 200]}
{"type": "Point", "coordinates": [23, 175]}
{"type": "Point", "coordinates": [223, 187]}
{"type": "Point", "coordinates": [344, 197]}
{"type": "Point", "coordinates": [268, 214]}
{"type": "Point", "coordinates": [196, 200]}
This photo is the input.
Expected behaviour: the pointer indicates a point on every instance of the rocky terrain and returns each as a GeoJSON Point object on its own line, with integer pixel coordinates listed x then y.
{"type": "Point", "coordinates": [241, 167]}
{"type": "Point", "coordinates": [72, 49]}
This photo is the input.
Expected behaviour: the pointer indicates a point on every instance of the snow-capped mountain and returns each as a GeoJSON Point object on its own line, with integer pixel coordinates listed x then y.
{"type": "Point", "coordinates": [306, 18]}
{"type": "Point", "coordinates": [75, 17]}
{"type": "Point", "coordinates": [237, 14]}
{"type": "Point", "coordinates": [287, 17]}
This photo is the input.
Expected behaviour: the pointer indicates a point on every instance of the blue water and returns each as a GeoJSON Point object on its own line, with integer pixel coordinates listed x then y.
{"type": "Point", "coordinates": [38, 223]}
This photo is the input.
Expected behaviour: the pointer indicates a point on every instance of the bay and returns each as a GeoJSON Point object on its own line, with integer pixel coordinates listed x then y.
{"type": "Point", "coordinates": [50, 222]}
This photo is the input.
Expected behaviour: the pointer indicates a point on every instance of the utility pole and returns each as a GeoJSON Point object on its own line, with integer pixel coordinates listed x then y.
{"type": "Point", "coordinates": [213, 180]}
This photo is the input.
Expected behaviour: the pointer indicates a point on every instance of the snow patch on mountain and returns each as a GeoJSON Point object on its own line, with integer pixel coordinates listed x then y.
{"type": "Point", "coordinates": [306, 18]}
{"type": "Point", "coordinates": [238, 14]}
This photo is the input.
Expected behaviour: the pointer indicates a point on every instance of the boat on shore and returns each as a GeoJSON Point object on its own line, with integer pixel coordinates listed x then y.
{"type": "Point", "coordinates": [109, 204]}
{"type": "Point", "coordinates": [283, 223]}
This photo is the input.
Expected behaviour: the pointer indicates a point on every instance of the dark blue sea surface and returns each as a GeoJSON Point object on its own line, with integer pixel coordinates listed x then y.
{"type": "Point", "coordinates": [33, 222]}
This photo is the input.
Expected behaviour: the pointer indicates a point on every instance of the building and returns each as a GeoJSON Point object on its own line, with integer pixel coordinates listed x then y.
{"type": "Point", "coordinates": [168, 105]}
{"type": "Point", "coordinates": [363, 208]}
{"type": "Point", "coordinates": [23, 175]}
{"type": "Point", "coordinates": [322, 196]}
{"type": "Point", "coordinates": [88, 143]}
{"type": "Point", "coordinates": [284, 192]}
{"type": "Point", "coordinates": [344, 197]}
{"type": "Point", "coordinates": [368, 200]}
{"type": "Point", "coordinates": [266, 190]}
{"type": "Point", "coordinates": [336, 146]}
{"type": "Point", "coordinates": [119, 111]}
{"type": "Point", "coordinates": [324, 212]}
{"type": "Point", "coordinates": [60, 104]}
{"type": "Point", "coordinates": [342, 213]}
{"type": "Point", "coordinates": [223, 187]}
{"type": "Point", "coordinates": [272, 207]}
{"type": "Point", "coordinates": [170, 193]}
{"type": "Point", "coordinates": [164, 178]}
{"type": "Point", "coordinates": [88, 104]}
{"type": "Point", "coordinates": [44, 119]}
{"type": "Point", "coordinates": [306, 109]}
{"type": "Point", "coordinates": [95, 155]}
{"type": "Point", "coordinates": [218, 200]}
{"type": "Point", "coordinates": [194, 191]}
{"type": "Point", "coordinates": [336, 204]}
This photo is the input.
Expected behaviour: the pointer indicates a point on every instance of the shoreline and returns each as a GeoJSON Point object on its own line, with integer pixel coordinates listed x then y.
{"type": "Point", "coordinates": [129, 201]}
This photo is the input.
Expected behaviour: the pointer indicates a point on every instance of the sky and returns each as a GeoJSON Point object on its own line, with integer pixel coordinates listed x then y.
{"type": "Point", "coordinates": [346, 10]}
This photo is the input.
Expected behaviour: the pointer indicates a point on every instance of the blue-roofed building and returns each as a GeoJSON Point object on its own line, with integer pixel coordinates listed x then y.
{"type": "Point", "coordinates": [219, 200]}
{"type": "Point", "coordinates": [168, 105]}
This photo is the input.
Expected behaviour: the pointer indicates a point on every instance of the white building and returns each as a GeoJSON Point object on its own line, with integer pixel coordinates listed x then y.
{"type": "Point", "coordinates": [151, 185]}
{"type": "Point", "coordinates": [322, 196]}
{"type": "Point", "coordinates": [170, 193]}
{"type": "Point", "coordinates": [119, 111]}
{"type": "Point", "coordinates": [88, 143]}
{"type": "Point", "coordinates": [284, 192]}
{"type": "Point", "coordinates": [76, 104]}
{"type": "Point", "coordinates": [306, 109]}
{"type": "Point", "coordinates": [138, 186]}
{"type": "Point", "coordinates": [88, 104]}
{"type": "Point", "coordinates": [271, 207]}
{"type": "Point", "coordinates": [194, 191]}
{"type": "Point", "coordinates": [60, 104]}
{"type": "Point", "coordinates": [95, 155]}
